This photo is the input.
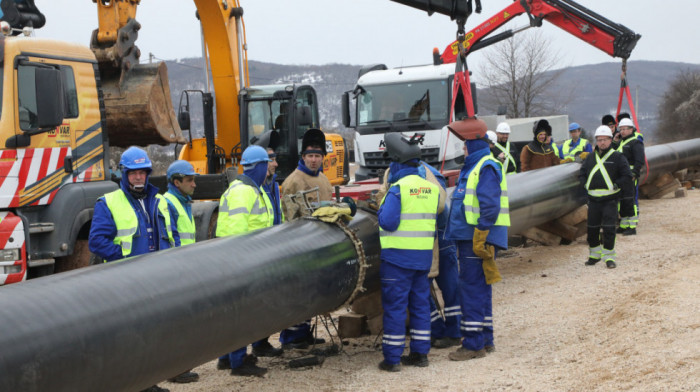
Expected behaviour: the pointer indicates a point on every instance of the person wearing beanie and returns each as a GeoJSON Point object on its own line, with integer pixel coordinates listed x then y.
{"type": "Point", "coordinates": [539, 153]}
{"type": "Point", "coordinates": [478, 223]}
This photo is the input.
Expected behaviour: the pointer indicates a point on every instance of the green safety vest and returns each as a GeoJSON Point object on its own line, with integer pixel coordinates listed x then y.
{"type": "Point", "coordinates": [471, 202]}
{"type": "Point", "coordinates": [600, 167]}
{"type": "Point", "coordinates": [127, 222]}
{"type": "Point", "coordinates": [419, 204]}
{"type": "Point", "coordinates": [506, 151]}
{"type": "Point", "coordinates": [185, 224]}
{"type": "Point", "coordinates": [246, 209]}
{"type": "Point", "coordinates": [566, 150]}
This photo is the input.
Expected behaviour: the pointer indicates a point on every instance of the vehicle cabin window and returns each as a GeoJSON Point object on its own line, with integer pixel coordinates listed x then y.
{"type": "Point", "coordinates": [26, 94]}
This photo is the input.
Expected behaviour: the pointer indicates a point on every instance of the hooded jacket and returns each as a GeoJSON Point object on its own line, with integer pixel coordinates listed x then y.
{"type": "Point", "coordinates": [537, 155]}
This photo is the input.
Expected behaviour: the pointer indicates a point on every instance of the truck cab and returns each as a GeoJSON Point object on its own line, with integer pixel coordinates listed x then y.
{"type": "Point", "coordinates": [408, 100]}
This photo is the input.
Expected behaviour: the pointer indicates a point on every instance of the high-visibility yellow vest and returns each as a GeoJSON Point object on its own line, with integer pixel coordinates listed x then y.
{"type": "Point", "coordinates": [508, 158]}
{"type": "Point", "coordinates": [246, 209]}
{"type": "Point", "coordinates": [611, 189]}
{"type": "Point", "coordinates": [555, 148]}
{"type": "Point", "coordinates": [185, 224]}
{"type": "Point", "coordinates": [471, 202]}
{"type": "Point", "coordinates": [419, 204]}
{"type": "Point", "coordinates": [127, 222]}
{"type": "Point", "coordinates": [568, 152]}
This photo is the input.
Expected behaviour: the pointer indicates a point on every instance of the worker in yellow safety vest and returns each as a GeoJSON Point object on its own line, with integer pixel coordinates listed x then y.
{"type": "Point", "coordinates": [407, 225]}
{"type": "Point", "coordinates": [243, 208]}
{"type": "Point", "coordinates": [575, 146]}
{"type": "Point", "coordinates": [181, 186]}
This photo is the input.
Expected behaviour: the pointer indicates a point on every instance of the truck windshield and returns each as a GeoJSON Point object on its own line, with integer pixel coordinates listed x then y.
{"type": "Point", "coordinates": [264, 115]}
{"type": "Point", "coordinates": [403, 102]}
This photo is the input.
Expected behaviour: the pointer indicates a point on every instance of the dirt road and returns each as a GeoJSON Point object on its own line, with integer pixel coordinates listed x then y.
{"type": "Point", "coordinates": [559, 325]}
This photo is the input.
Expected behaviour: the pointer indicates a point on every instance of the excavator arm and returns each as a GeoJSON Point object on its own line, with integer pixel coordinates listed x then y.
{"type": "Point", "coordinates": [592, 28]}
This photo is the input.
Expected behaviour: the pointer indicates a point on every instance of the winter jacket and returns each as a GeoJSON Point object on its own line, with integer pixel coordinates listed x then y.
{"type": "Point", "coordinates": [302, 179]}
{"type": "Point", "coordinates": [618, 171]}
{"type": "Point", "coordinates": [633, 150]}
{"type": "Point", "coordinates": [537, 155]}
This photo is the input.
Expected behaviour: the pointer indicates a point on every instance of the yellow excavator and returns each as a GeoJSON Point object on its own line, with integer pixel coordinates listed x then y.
{"type": "Point", "coordinates": [139, 109]}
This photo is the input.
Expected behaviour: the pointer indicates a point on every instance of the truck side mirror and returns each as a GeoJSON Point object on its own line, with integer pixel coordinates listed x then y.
{"type": "Point", "coordinates": [49, 98]}
{"type": "Point", "coordinates": [345, 109]}
{"type": "Point", "coordinates": [304, 116]}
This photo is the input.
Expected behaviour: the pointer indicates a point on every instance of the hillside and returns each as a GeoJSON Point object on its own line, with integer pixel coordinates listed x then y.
{"type": "Point", "coordinates": [596, 87]}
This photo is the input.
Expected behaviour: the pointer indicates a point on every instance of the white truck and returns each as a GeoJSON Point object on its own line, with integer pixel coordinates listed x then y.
{"type": "Point", "coordinates": [407, 100]}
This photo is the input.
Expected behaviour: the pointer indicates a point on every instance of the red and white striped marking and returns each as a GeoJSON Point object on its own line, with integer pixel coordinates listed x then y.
{"type": "Point", "coordinates": [12, 237]}
{"type": "Point", "coordinates": [23, 168]}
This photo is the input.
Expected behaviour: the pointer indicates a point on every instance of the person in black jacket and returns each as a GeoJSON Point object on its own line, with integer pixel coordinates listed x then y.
{"type": "Point", "coordinates": [633, 150]}
{"type": "Point", "coordinates": [606, 176]}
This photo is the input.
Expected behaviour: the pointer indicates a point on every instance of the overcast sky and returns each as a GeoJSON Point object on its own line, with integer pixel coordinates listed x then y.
{"type": "Point", "coordinates": [374, 31]}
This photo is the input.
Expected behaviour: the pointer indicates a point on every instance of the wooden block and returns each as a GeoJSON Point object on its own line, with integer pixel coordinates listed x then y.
{"type": "Point", "coordinates": [687, 184]}
{"type": "Point", "coordinates": [560, 229]}
{"type": "Point", "coordinates": [666, 189]}
{"type": "Point", "coordinates": [375, 324]}
{"type": "Point", "coordinates": [542, 236]}
{"type": "Point", "coordinates": [352, 325]}
{"type": "Point", "coordinates": [582, 229]}
{"type": "Point", "coordinates": [663, 179]}
{"type": "Point", "coordinates": [680, 175]}
{"type": "Point", "coordinates": [368, 305]}
{"type": "Point", "coordinates": [647, 189]}
{"type": "Point", "coordinates": [575, 217]}
{"type": "Point", "coordinates": [681, 192]}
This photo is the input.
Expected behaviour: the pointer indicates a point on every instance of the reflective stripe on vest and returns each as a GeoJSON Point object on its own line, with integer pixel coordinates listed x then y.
{"type": "Point", "coordinates": [622, 145]}
{"type": "Point", "coordinates": [259, 216]}
{"type": "Point", "coordinates": [566, 150]}
{"type": "Point", "coordinates": [509, 158]}
{"type": "Point", "coordinates": [127, 222]}
{"type": "Point", "coordinates": [185, 224]}
{"type": "Point", "coordinates": [555, 148]}
{"type": "Point", "coordinates": [600, 167]}
{"type": "Point", "coordinates": [419, 204]}
{"type": "Point", "coordinates": [471, 202]}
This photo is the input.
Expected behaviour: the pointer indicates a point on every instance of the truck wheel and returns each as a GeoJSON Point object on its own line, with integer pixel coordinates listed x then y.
{"type": "Point", "coordinates": [78, 259]}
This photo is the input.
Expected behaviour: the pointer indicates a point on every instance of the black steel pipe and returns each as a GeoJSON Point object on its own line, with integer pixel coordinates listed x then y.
{"type": "Point", "coordinates": [129, 324]}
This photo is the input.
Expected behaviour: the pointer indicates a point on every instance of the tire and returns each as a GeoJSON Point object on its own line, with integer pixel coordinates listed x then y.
{"type": "Point", "coordinates": [78, 259]}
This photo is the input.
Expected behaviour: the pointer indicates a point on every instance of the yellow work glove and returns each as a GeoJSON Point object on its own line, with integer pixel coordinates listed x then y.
{"type": "Point", "coordinates": [331, 214]}
{"type": "Point", "coordinates": [566, 160]}
{"type": "Point", "coordinates": [583, 155]}
{"type": "Point", "coordinates": [487, 254]}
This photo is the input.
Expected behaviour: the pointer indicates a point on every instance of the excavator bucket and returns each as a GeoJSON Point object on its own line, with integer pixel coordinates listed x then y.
{"type": "Point", "coordinates": [139, 110]}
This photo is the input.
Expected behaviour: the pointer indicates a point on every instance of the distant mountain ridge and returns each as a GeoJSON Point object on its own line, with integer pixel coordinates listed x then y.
{"type": "Point", "coordinates": [596, 87]}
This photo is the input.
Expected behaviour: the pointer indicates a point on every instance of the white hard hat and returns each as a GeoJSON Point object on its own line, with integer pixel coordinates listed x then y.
{"type": "Point", "coordinates": [626, 122]}
{"type": "Point", "coordinates": [603, 130]}
{"type": "Point", "coordinates": [492, 136]}
{"type": "Point", "coordinates": [503, 128]}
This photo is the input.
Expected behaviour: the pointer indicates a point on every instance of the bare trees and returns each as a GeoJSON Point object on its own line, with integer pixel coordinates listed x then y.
{"type": "Point", "coordinates": [519, 73]}
{"type": "Point", "coordinates": [679, 112]}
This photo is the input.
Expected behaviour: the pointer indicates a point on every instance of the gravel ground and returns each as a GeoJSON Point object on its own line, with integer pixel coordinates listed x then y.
{"type": "Point", "coordinates": [559, 325]}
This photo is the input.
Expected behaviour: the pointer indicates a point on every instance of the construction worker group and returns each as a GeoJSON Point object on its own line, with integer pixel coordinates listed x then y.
{"type": "Point", "coordinates": [426, 238]}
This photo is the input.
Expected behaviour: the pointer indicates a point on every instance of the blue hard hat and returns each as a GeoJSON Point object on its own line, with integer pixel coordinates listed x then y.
{"type": "Point", "coordinates": [135, 158]}
{"type": "Point", "coordinates": [180, 167]}
{"type": "Point", "coordinates": [573, 127]}
{"type": "Point", "coordinates": [253, 155]}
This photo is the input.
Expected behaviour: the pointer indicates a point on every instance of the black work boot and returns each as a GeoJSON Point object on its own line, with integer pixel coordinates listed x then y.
{"type": "Point", "coordinates": [184, 378]}
{"type": "Point", "coordinates": [446, 342]}
{"type": "Point", "coordinates": [223, 364]}
{"type": "Point", "coordinates": [415, 359]}
{"type": "Point", "coordinates": [610, 264]}
{"type": "Point", "coordinates": [592, 261]}
{"type": "Point", "coordinates": [156, 388]}
{"type": "Point", "coordinates": [630, 231]}
{"type": "Point", "coordinates": [249, 369]}
{"type": "Point", "coordinates": [265, 349]}
{"type": "Point", "coordinates": [620, 230]}
{"type": "Point", "coordinates": [489, 349]}
{"type": "Point", "coordinates": [387, 367]}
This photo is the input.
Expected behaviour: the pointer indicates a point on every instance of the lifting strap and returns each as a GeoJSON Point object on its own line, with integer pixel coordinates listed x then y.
{"type": "Point", "coordinates": [625, 90]}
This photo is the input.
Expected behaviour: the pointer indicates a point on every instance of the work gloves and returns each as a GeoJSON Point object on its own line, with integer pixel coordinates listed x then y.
{"type": "Point", "coordinates": [566, 160]}
{"type": "Point", "coordinates": [583, 155]}
{"type": "Point", "coordinates": [487, 253]}
{"type": "Point", "coordinates": [331, 214]}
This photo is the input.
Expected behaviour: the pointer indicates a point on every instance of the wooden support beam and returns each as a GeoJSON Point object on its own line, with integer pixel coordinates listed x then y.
{"type": "Point", "coordinates": [542, 236]}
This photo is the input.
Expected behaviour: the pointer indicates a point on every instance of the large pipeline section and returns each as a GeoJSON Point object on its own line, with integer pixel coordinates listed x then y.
{"type": "Point", "coordinates": [126, 325]}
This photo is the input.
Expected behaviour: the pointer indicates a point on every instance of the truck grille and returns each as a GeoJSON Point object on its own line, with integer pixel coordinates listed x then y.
{"type": "Point", "coordinates": [375, 161]}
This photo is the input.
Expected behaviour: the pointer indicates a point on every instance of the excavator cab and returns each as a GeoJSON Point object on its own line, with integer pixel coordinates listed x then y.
{"type": "Point", "coordinates": [287, 110]}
